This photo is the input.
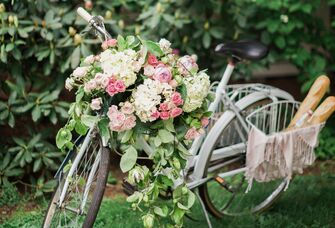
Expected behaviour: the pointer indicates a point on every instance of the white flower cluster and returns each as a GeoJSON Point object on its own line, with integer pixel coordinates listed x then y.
{"type": "Point", "coordinates": [147, 96]}
{"type": "Point", "coordinates": [197, 87]}
{"type": "Point", "coordinates": [121, 64]}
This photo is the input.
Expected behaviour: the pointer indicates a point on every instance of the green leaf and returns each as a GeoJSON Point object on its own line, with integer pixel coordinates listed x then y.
{"type": "Point", "coordinates": [128, 160]}
{"type": "Point", "coordinates": [89, 121]}
{"type": "Point", "coordinates": [80, 128]}
{"type": "Point", "coordinates": [126, 136]}
{"type": "Point", "coordinates": [75, 57]}
{"type": "Point", "coordinates": [280, 42]}
{"type": "Point", "coordinates": [157, 141]}
{"type": "Point", "coordinates": [63, 136]}
{"type": "Point", "coordinates": [153, 48]}
{"type": "Point", "coordinates": [206, 40]}
{"type": "Point", "coordinates": [169, 125]}
{"type": "Point", "coordinates": [104, 130]}
{"type": "Point", "coordinates": [163, 212]}
{"type": "Point", "coordinates": [36, 113]}
{"type": "Point", "coordinates": [165, 136]}
{"type": "Point", "coordinates": [121, 43]}
{"type": "Point", "coordinates": [37, 165]}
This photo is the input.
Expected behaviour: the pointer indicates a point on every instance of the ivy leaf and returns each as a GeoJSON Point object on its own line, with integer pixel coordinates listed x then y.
{"type": "Point", "coordinates": [163, 212]}
{"type": "Point", "coordinates": [165, 136]}
{"type": "Point", "coordinates": [89, 121]}
{"type": "Point", "coordinates": [63, 136]}
{"type": "Point", "coordinates": [80, 128]}
{"type": "Point", "coordinates": [128, 160]}
{"type": "Point", "coordinates": [153, 48]}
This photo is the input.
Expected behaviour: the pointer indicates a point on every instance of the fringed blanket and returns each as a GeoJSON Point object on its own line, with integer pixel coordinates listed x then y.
{"type": "Point", "coordinates": [279, 155]}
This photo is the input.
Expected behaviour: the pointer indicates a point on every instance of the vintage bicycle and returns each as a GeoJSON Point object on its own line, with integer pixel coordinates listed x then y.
{"type": "Point", "coordinates": [215, 169]}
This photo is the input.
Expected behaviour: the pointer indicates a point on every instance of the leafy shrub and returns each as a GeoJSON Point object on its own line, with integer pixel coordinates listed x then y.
{"type": "Point", "coordinates": [9, 195]}
{"type": "Point", "coordinates": [40, 44]}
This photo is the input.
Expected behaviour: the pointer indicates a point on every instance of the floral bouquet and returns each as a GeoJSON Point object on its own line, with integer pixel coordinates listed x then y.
{"type": "Point", "coordinates": [142, 89]}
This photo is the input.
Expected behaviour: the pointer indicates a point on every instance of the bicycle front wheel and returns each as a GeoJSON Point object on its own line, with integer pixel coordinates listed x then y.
{"type": "Point", "coordinates": [224, 194]}
{"type": "Point", "coordinates": [77, 198]}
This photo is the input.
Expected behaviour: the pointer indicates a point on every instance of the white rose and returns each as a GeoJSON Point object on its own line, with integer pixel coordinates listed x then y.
{"type": "Point", "coordinates": [164, 44]}
{"type": "Point", "coordinates": [80, 72]}
{"type": "Point", "coordinates": [69, 84]}
{"type": "Point", "coordinates": [96, 103]}
{"type": "Point", "coordinates": [89, 60]}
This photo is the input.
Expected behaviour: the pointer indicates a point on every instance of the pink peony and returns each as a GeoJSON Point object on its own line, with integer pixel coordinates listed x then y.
{"type": "Point", "coordinates": [152, 60]}
{"type": "Point", "coordinates": [164, 115]}
{"type": "Point", "coordinates": [120, 86]}
{"type": "Point", "coordinates": [109, 43]}
{"type": "Point", "coordinates": [176, 112]}
{"type": "Point", "coordinates": [164, 107]}
{"type": "Point", "coordinates": [162, 74]}
{"type": "Point", "coordinates": [96, 103]}
{"type": "Point", "coordinates": [191, 133]}
{"type": "Point", "coordinates": [176, 99]}
{"type": "Point", "coordinates": [204, 121]}
{"type": "Point", "coordinates": [187, 65]}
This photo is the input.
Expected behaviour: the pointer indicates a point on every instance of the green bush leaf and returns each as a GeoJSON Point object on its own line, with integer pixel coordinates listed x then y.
{"type": "Point", "coordinates": [128, 160]}
{"type": "Point", "coordinates": [63, 136]}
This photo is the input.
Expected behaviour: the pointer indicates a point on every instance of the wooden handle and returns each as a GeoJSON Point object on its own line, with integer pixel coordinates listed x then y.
{"type": "Point", "coordinates": [313, 98]}
{"type": "Point", "coordinates": [323, 112]}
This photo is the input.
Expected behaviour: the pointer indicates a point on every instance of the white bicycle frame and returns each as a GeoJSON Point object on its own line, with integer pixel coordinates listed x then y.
{"type": "Point", "coordinates": [203, 145]}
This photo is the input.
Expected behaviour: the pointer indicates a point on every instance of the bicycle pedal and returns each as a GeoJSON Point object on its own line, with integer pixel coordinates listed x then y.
{"type": "Point", "coordinates": [223, 183]}
{"type": "Point", "coordinates": [128, 188]}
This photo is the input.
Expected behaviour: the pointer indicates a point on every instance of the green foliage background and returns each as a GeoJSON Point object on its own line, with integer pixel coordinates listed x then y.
{"type": "Point", "coordinates": [40, 43]}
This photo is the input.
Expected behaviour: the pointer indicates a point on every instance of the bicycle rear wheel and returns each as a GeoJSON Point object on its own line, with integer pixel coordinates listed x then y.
{"type": "Point", "coordinates": [83, 193]}
{"type": "Point", "coordinates": [224, 194]}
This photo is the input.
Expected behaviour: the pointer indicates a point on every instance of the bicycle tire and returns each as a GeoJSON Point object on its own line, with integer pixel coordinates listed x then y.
{"type": "Point", "coordinates": [97, 193]}
{"type": "Point", "coordinates": [205, 188]}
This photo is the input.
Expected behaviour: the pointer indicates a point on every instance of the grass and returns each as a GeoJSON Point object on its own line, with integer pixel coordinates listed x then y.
{"type": "Point", "coordinates": [309, 202]}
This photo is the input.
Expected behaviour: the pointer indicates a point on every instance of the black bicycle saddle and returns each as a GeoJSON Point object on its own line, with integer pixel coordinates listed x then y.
{"type": "Point", "coordinates": [249, 50]}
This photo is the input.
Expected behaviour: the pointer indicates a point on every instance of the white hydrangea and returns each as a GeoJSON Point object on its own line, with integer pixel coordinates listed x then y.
{"type": "Point", "coordinates": [197, 87]}
{"type": "Point", "coordinates": [147, 96]}
{"type": "Point", "coordinates": [123, 65]}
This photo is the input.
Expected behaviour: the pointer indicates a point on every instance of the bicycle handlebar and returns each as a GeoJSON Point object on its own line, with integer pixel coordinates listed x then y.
{"type": "Point", "coordinates": [84, 14]}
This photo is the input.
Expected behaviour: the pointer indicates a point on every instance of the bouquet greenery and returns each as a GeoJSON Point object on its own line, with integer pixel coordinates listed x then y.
{"type": "Point", "coordinates": [138, 91]}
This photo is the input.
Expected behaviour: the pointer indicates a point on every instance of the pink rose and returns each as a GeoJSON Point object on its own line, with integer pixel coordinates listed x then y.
{"type": "Point", "coordinates": [109, 43]}
{"type": "Point", "coordinates": [164, 115]}
{"type": "Point", "coordinates": [155, 115]}
{"type": "Point", "coordinates": [127, 108]}
{"type": "Point", "coordinates": [119, 86]}
{"type": "Point", "coordinates": [204, 122]}
{"type": "Point", "coordinates": [96, 103]}
{"type": "Point", "coordinates": [89, 86]}
{"type": "Point", "coordinates": [176, 99]}
{"type": "Point", "coordinates": [148, 70]}
{"type": "Point", "coordinates": [129, 123]}
{"type": "Point", "coordinates": [162, 74]}
{"type": "Point", "coordinates": [152, 60]}
{"type": "Point", "coordinates": [80, 72]}
{"type": "Point", "coordinates": [164, 107]}
{"type": "Point", "coordinates": [191, 133]}
{"type": "Point", "coordinates": [176, 112]}
{"type": "Point", "coordinates": [111, 111]}
{"type": "Point", "coordinates": [111, 90]}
